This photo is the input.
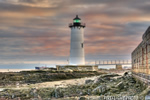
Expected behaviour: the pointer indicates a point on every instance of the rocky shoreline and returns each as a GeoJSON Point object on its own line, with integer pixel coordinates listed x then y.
{"type": "Point", "coordinates": [39, 76]}
{"type": "Point", "coordinates": [101, 86]}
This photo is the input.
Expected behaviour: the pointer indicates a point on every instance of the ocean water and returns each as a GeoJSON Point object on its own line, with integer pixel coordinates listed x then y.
{"type": "Point", "coordinates": [23, 66]}
{"type": "Point", "coordinates": [14, 70]}
{"type": "Point", "coordinates": [112, 66]}
{"type": "Point", "coordinates": [107, 66]}
{"type": "Point", "coordinates": [18, 67]}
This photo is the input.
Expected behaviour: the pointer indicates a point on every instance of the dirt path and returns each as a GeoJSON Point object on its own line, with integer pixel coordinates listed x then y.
{"type": "Point", "coordinates": [63, 83]}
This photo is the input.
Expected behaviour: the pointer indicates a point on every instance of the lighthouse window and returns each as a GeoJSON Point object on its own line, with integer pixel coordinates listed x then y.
{"type": "Point", "coordinates": [82, 45]}
{"type": "Point", "coordinates": [76, 21]}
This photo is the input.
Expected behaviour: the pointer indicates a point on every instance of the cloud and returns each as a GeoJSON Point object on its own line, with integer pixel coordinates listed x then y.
{"type": "Point", "coordinates": [37, 30]}
{"type": "Point", "coordinates": [32, 1]}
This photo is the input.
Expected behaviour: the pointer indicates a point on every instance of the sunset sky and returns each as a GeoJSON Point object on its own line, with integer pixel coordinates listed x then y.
{"type": "Point", "coordinates": [35, 32]}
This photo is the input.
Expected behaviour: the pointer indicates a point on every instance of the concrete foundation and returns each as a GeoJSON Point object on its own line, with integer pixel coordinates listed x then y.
{"type": "Point", "coordinates": [77, 67]}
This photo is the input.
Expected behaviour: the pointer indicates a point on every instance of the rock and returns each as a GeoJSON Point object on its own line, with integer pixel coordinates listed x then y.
{"type": "Point", "coordinates": [68, 70]}
{"type": "Point", "coordinates": [114, 90]}
{"type": "Point", "coordinates": [89, 81]}
{"type": "Point", "coordinates": [82, 98]}
{"type": "Point", "coordinates": [107, 78]}
{"type": "Point", "coordinates": [132, 80]}
{"type": "Point", "coordinates": [120, 85]}
{"type": "Point", "coordinates": [126, 73]}
{"type": "Point", "coordinates": [1, 89]}
{"type": "Point", "coordinates": [99, 80]}
{"type": "Point", "coordinates": [99, 89]}
{"type": "Point", "coordinates": [110, 75]}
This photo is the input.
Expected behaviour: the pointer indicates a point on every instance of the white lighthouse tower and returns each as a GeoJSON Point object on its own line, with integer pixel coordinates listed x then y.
{"type": "Point", "coordinates": [77, 58]}
{"type": "Point", "coordinates": [77, 42]}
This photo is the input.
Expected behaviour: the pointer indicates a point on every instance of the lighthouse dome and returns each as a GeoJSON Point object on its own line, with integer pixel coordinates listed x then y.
{"type": "Point", "coordinates": [77, 23]}
{"type": "Point", "coordinates": [76, 19]}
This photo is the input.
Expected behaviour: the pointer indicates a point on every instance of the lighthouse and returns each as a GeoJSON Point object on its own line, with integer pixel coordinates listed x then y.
{"type": "Point", "coordinates": [77, 42]}
{"type": "Point", "coordinates": [77, 58]}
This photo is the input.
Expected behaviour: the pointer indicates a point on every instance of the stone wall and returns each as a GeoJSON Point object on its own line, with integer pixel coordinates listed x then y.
{"type": "Point", "coordinates": [141, 55]}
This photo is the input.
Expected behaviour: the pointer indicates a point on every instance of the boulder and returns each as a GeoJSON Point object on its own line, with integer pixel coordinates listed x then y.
{"type": "Point", "coordinates": [120, 85]}
{"type": "Point", "coordinates": [99, 89]}
{"type": "Point", "coordinates": [82, 98]}
{"type": "Point", "coordinates": [89, 81]}
{"type": "Point", "coordinates": [99, 80]}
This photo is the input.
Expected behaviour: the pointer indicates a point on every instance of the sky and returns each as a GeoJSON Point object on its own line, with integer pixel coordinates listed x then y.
{"type": "Point", "coordinates": [36, 33]}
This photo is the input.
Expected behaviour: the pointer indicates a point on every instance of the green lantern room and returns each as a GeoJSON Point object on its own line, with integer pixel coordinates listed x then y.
{"type": "Point", "coordinates": [77, 19]}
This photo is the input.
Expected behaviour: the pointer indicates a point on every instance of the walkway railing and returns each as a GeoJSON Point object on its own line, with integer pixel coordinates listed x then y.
{"type": "Point", "coordinates": [113, 62]}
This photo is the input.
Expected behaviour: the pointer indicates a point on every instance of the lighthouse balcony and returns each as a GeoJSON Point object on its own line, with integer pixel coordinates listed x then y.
{"type": "Point", "coordinates": [77, 25]}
